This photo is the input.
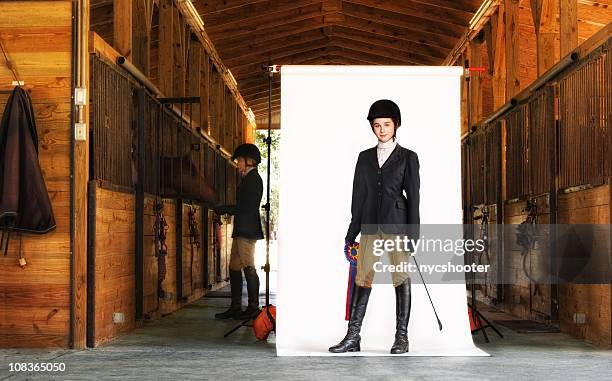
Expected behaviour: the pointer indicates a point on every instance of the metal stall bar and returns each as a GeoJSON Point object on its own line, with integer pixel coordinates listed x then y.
{"type": "Point", "coordinates": [516, 153]}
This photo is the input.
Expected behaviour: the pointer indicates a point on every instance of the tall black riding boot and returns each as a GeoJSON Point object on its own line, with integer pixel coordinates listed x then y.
{"type": "Point", "coordinates": [402, 316]}
{"type": "Point", "coordinates": [252, 280]}
{"type": "Point", "coordinates": [352, 340]}
{"type": "Point", "coordinates": [236, 287]}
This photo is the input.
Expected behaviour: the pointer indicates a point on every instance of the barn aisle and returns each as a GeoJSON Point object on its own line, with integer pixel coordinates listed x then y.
{"type": "Point", "coordinates": [189, 345]}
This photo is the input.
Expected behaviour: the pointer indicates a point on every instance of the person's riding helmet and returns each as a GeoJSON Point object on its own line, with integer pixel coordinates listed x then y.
{"type": "Point", "coordinates": [247, 150]}
{"type": "Point", "coordinates": [385, 108]}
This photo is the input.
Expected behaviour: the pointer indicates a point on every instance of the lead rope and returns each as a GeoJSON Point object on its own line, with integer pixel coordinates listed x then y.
{"type": "Point", "coordinates": [160, 229]}
{"type": "Point", "coordinates": [194, 239]}
{"type": "Point", "coordinates": [526, 239]}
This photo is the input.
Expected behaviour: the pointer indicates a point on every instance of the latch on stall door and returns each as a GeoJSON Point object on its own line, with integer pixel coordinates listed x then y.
{"type": "Point", "coordinates": [80, 131]}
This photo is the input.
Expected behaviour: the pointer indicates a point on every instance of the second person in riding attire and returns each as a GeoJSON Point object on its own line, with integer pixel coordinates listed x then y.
{"type": "Point", "coordinates": [381, 211]}
{"type": "Point", "coordinates": [247, 230]}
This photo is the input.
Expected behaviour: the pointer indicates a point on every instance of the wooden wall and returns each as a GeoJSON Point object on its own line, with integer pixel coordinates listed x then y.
{"type": "Point", "coordinates": [591, 206]}
{"type": "Point", "coordinates": [35, 301]}
{"type": "Point", "coordinates": [113, 261]}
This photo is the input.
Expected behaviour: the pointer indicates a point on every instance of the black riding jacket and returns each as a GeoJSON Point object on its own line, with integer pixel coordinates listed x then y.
{"type": "Point", "coordinates": [378, 194]}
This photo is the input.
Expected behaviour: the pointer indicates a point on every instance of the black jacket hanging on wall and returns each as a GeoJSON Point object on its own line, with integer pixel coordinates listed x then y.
{"type": "Point", "coordinates": [247, 221]}
{"type": "Point", "coordinates": [378, 199]}
{"type": "Point", "coordinates": [24, 203]}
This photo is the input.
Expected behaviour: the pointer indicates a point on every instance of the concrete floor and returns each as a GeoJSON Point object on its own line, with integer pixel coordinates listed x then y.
{"type": "Point", "coordinates": [189, 345]}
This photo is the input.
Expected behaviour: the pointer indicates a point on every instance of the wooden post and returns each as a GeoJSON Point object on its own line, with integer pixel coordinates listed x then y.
{"type": "Point", "coordinates": [214, 102]}
{"type": "Point", "coordinates": [80, 175]}
{"type": "Point", "coordinates": [568, 25]}
{"type": "Point", "coordinates": [476, 81]}
{"type": "Point", "coordinates": [221, 111]}
{"type": "Point", "coordinates": [513, 83]}
{"type": "Point", "coordinates": [165, 50]}
{"type": "Point", "coordinates": [205, 93]}
{"type": "Point", "coordinates": [179, 47]}
{"type": "Point", "coordinates": [544, 20]}
{"type": "Point", "coordinates": [194, 78]}
{"type": "Point", "coordinates": [122, 27]}
{"type": "Point", "coordinates": [141, 35]}
{"type": "Point", "coordinates": [495, 35]}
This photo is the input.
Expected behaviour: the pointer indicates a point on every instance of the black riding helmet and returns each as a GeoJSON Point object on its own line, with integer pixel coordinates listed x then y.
{"type": "Point", "coordinates": [385, 108]}
{"type": "Point", "coordinates": [247, 150]}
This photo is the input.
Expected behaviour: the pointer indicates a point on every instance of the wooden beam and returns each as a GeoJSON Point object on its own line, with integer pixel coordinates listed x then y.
{"type": "Point", "coordinates": [235, 56]}
{"type": "Point", "coordinates": [261, 37]}
{"type": "Point", "coordinates": [413, 23]}
{"type": "Point", "coordinates": [219, 6]}
{"type": "Point", "coordinates": [205, 84]}
{"type": "Point", "coordinates": [496, 49]}
{"type": "Point", "coordinates": [475, 101]}
{"type": "Point", "coordinates": [194, 66]}
{"type": "Point", "coordinates": [180, 41]}
{"type": "Point", "coordinates": [236, 63]}
{"type": "Point", "coordinates": [405, 56]}
{"type": "Point", "coordinates": [418, 36]}
{"type": "Point", "coordinates": [122, 27]}
{"type": "Point", "coordinates": [568, 25]}
{"type": "Point", "coordinates": [215, 104]}
{"type": "Point", "coordinates": [141, 35]}
{"type": "Point", "coordinates": [414, 9]}
{"type": "Point", "coordinates": [79, 190]}
{"type": "Point", "coordinates": [513, 83]}
{"type": "Point", "coordinates": [469, 6]}
{"type": "Point", "coordinates": [251, 11]}
{"type": "Point", "coordinates": [544, 19]}
{"type": "Point", "coordinates": [283, 58]}
{"type": "Point", "coordinates": [165, 50]}
{"type": "Point", "coordinates": [418, 49]}
{"type": "Point", "coordinates": [393, 57]}
{"type": "Point", "coordinates": [265, 22]}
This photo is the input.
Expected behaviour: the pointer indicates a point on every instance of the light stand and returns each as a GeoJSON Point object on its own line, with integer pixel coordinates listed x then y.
{"type": "Point", "coordinates": [477, 316]}
{"type": "Point", "coordinates": [271, 70]}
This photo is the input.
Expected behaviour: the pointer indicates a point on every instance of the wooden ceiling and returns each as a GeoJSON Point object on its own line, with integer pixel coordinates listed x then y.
{"type": "Point", "coordinates": [251, 33]}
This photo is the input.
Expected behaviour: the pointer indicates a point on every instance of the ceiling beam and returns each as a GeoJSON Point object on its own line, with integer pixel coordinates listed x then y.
{"type": "Point", "coordinates": [262, 47]}
{"type": "Point", "coordinates": [420, 50]}
{"type": "Point", "coordinates": [283, 58]}
{"type": "Point", "coordinates": [408, 56]}
{"type": "Point", "coordinates": [263, 22]}
{"type": "Point", "coordinates": [262, 36]}
{"type": "Point", "coordinates": [468, 6]}
{"type": "Point", "coordinates": [251, 11]}
{"type": "Point", "coordinates": [274, 52]}
{"type": "Point", "coordinates": [394, 57]}
{"type": "Point", "coordinates": [439, 27]}
{"type": "Point", "coordinates": [205, 7]}
{"type": "Point", "coordinates": [411, 8]}
{"type": "Point", "coordinates": [364, 56]}
{"type": "Point", "coordinates": [368, 26]}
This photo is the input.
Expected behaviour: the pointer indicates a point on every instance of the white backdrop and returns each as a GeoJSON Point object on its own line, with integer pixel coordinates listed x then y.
{"type": "Point", "coordinates": [324, 127]}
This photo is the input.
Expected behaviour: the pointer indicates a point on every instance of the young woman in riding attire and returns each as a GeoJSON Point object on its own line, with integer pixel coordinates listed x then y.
{"type": "Point", "coordinates": [247, 230]}
{"type": "Point", "coordinates": [380, 210]}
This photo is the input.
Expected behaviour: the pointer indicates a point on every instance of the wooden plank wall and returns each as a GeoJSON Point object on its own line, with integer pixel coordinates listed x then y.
{"type": "Point", "coordinates": [35, 301]}
{"type": "Point", "coordinates": [591, 206]}
{"type": "Point", "coordinates": [114, 263]}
